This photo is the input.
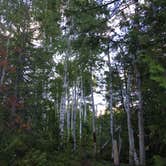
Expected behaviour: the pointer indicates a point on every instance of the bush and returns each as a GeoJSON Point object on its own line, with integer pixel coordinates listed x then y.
{"type": "Point", "coordinates": [159, 161]}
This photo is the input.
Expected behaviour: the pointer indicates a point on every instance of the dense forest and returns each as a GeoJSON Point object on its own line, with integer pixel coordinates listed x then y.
{"type": "Point", "coordinates": [82, 82]}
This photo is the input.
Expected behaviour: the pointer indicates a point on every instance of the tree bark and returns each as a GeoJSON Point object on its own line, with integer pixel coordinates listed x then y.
{"type": "Point", "coordinates": [93, 116]}
{"type": "Point", "coordinates": [63, 102]}
{"type": "Point", "coordinates": [81, 107]}
{"type": "Point", "coordinates": [74, 117]}
{"type": "Point", "coordinates": [116, 153]}
{"type": "Point", "coordinates": [68, 117]}
{"type": "Point", "coordinates": [142, 156]}
{"type": "Point", "coordinates": [85, 109]}
{"type": "Point", "coordinates": [110, 102]}
{"type": "Point", "coordinates": [132, 152]}
{"type": "Point", "coordinates": [140, 121]}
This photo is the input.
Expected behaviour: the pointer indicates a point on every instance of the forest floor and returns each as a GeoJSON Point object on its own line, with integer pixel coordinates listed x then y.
{"type": "Point", "coordinates": [83, 162]}
{"type": "Point", "coordinates": [89, 162]}
{"type": "Point", "coordinates": [83, 157]}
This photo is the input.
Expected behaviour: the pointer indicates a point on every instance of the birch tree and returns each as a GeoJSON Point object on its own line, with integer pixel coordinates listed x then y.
{"type": "Point", "coordinates": [115, 152]}
{"type": "Point", "coordinates": [138, 92]}
{"type": "Point", "coordinates": [93, 113]}
{"type": "Point", "coordinates": [133, 158]}
{"type": "Point", "coordinates": [74, 116]}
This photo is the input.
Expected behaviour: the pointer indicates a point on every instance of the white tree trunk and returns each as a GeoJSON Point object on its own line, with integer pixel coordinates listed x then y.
{"type": "Point", "coordinates": [80, 116]}
{"type": "Point", "coordinates": [132, 152]}
{"type": "Point", "coordinates": [63, 102]}
{"type": "Point", "coordinates": [65, 83]}
{"type": "Point", "coordinates": [110, 102]}
{"type": "Point", "coordinates": [68, 117]}
{"type": "Point", "coordinates": [93, 116]}
{"type": "Point", "coordinates": [81, 108]}
{"type": "Point", "coordinates": [85, 109]}
{"type": "Point", "coordinates": [74, 116]}
{"type": "Point", "coordinates": [72, 112]}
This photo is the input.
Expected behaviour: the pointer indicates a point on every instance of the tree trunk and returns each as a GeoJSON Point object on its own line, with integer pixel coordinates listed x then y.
{"type": "Point", "coordinates": [132, 152]}
{"type": "Point", "coordinates": [72, 110]}
{"type": "Point", "coordinates": [63, 103]}
{"type": "Point", "coordinates": [68, 117]}
{"type": "Point", "coordinates": [116, 153]}
{"type": "Point", "coordinates": [110, 102]}
{"type": "Point", "coordinates": [85, 110]}
{"type": "Point", "coordinates": [93, 116]}
{"type": "Point", "coordinates": [140, 121]}
{"type": "Point", "coordinates": [74, 117]}
{"type": "Point", "coordinates": [138, 91]}
{"type": "Point", "coordinates": [80, 116]}
{"type": "Point", "coordinates": [81, 111]}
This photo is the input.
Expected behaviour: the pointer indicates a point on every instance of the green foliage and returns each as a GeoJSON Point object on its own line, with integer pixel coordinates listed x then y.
{"type": "Point", "coordinates": [159, 161]}
{"type": "Point", "coordinates": [156, 70]}
{"type": "Point", "coordinates": [34, 157]}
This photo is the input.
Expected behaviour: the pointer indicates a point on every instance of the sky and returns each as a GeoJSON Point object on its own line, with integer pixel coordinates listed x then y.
{"type": "Point", "coordinates": [99, 99]}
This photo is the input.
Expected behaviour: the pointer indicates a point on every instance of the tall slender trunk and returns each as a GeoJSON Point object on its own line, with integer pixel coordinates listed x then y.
{"type": "Point", "coordinates": [81, 108]}
{"type": "Point", "coordinates": [115, 153]}
{"type": "Point", "coordinates": [119, 141]}
{"type": "Point", "coordinates": [68, 117]}
{"type": "Point", "coordinates": [100, 130]}
{"type": "Point", "coordinates": [132, 152]}
{"type": "Point", "coordinates": [110, 101]}
{"type": "Point", "coordinates": [74, 116]}
{"type": "Point", "coordinates": [67, 55]}
{"type": "Point", "coordinates": [85, 109]}
{"type": "Point", "coordinates": [142, 156]}
{"type": "Point", "coordinates": [80, 116]}
{"type": "Point", "coordinates": [140, 120]}
{"type": "Point", "coordinates": [93, 115]}
{"type": "Point", "coordinates": [57, 102]}
{"type": "Point", "coordinates": [63, 103]}
{"type": "Point", "coordinates": [72, 112]}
